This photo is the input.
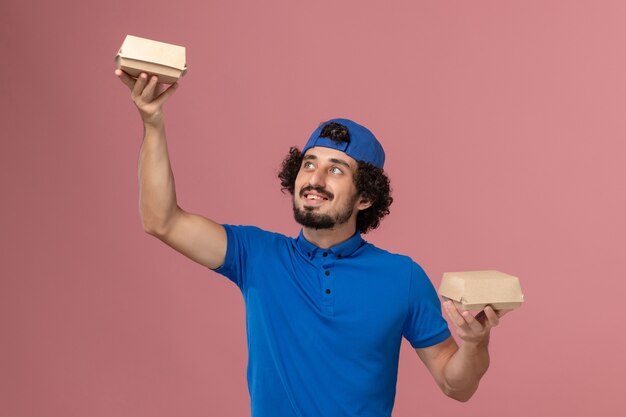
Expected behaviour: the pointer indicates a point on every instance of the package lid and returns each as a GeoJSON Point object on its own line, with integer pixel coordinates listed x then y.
{"type": "Point", "coordinates": [481, 287]}
{"type": "Point", "coordinates": [147, 50]}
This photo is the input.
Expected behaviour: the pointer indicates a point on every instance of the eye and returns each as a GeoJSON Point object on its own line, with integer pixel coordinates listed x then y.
{"type": "Point", "coordinates": [336, 170]}
{"type": "Point", "coordinates": [307, 165]}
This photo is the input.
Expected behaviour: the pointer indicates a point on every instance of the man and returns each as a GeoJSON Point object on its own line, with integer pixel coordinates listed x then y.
{"type": "Point", "coordinates": [325, 312]}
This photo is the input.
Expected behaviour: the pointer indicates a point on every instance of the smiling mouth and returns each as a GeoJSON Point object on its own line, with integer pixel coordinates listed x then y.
{"type": "Point", "coordinates": [315, 196]}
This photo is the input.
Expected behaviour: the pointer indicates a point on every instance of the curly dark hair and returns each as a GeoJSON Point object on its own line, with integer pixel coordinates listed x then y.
{"type": "Point", "coordinates": [371, 183]}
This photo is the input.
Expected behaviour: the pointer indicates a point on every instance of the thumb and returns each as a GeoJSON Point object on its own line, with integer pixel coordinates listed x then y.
{"type": "Point", "coordinates": [166, 94]}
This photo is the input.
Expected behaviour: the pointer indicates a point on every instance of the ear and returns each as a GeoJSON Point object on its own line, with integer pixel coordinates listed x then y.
{"type": "Point", "coordinates": [364, 204]}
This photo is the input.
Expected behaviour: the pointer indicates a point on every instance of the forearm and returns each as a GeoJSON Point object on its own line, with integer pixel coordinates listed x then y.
{"type": "Point", "coordinates": [157, 193]}
{"type": "Point", "coordinates": [463, 371]}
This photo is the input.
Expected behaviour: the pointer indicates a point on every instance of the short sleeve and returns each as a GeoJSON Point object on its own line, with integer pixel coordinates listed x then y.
{"type": "Point", "coordinates": [424, 325]}
{"type": "Point", "coordinates": [241, 242]}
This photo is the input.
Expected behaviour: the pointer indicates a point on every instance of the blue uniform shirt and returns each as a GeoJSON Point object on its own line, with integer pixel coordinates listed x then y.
{"type": "Point", "coordinates": [324, 326]}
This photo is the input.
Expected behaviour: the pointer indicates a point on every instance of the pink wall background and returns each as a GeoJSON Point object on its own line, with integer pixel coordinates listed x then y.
{"type": "Point", "coordinates": [504, 125]}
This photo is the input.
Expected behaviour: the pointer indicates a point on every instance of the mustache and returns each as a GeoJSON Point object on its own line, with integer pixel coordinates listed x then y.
{"type": "Point", "coordinates": [317, 189]}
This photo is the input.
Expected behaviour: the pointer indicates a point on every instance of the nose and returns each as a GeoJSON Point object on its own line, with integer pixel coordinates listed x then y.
{"type": "Point", "coordinates": [318, 178]}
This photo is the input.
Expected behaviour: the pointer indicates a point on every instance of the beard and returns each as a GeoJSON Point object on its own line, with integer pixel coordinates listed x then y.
{"type": "Point", "coordinates": [308, 217]}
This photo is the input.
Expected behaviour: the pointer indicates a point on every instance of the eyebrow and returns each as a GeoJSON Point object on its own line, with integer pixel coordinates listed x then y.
{"type": "Point", "coordinates": [340, 162]}
{"type": "Point", "coordinates": [334, 160]}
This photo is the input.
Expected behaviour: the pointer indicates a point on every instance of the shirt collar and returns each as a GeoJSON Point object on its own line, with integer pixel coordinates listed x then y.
{"type": "Point", "coordinates": [341, 250]}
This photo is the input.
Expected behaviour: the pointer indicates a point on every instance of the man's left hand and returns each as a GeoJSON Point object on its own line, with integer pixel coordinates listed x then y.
{"type": "Point", "coordinates": [473, 329]}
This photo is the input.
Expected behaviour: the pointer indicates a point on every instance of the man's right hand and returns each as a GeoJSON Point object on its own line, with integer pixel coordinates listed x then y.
{"type": "Point", "coordinates": [148, 96]}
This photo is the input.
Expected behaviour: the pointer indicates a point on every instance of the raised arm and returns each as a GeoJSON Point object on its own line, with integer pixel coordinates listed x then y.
{"type": "Point", "coordinates": [196, 237]}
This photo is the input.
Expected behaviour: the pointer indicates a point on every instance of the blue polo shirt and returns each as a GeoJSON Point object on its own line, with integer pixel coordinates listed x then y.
{"type": "Point", "coordinates": [324, 326]}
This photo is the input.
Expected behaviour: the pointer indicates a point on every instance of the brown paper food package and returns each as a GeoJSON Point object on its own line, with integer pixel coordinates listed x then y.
{"type": "Point", "coordinates": [474, 290]}
{"type": "Point", "coordinates": [137, 55]}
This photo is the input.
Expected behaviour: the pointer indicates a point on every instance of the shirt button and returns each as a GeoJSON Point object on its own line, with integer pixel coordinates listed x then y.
{"type": "Point", "coordinates": [325, 254]}
{"type": "Point", "coordinates": [327, 273]}
{"type": "Point", "coordinates": [308, 254]}
{"type": "Point", "coordinates": [327, 291]}
{"type": "Point", "coordinates": [338, 256]}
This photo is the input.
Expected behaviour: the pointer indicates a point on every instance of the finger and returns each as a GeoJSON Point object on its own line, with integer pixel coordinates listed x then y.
{"type": "Point", "coordinates": [158, 89]}
{"type": "Point", "coordinates": [453, 314]}
{"type": "Point", "coordinates": [139, 84]}
{"type": "Point", "coordinates": [492, 316]}
{"type": "Point", "coordinates": [125, 78]}
{"type": "Point", "coordinates": [148, 91]}
{"type": "Point", "coordinates": [501, 313]}
{"type": "Point", "coordinates": [473, 324]}
{"type": "Point", "coordinates": [166, 94]}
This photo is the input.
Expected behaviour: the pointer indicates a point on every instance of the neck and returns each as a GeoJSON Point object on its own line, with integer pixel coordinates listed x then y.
{"type": "Point", "coordinates": [326, 238]}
